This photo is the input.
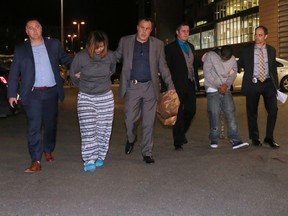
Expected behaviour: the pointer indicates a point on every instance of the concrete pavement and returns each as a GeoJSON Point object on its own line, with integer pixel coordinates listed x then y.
{"type": "Point", "coordinates": [198, 181]}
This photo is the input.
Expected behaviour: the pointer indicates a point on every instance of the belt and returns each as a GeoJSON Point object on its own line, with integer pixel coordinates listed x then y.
{"type": "Point", "coordinates": [255, 80]}
{"type": "Point", "coordinates": [44, 88]}
{"type": "Point", "coordinates": [138, 81]}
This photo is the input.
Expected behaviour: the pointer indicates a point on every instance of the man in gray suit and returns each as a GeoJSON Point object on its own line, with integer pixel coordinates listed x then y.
{"type": "Point", "coordinates": [143, 57]}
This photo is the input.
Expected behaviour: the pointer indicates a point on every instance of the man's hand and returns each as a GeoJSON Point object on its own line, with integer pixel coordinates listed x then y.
{"type": "Point", "coordinates": [77, 75]}
{"type": "Point", "coordinates": [12, 101]}
{"type": "Point", "coordinates": [172, 91]}
{"type": "Point", "coordinates": [222, 89]}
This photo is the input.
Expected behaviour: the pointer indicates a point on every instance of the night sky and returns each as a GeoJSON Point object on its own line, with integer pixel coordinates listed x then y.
{"type": "Point", "coordinates": [115, 17]}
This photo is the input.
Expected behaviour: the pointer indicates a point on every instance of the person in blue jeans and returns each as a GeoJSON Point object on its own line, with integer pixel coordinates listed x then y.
{"type": "Point", "coordinates": [220, 71]}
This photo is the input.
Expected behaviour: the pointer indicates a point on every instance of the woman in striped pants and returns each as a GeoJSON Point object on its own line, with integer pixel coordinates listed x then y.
{"type": "Point", "coordinates": [91, 71]}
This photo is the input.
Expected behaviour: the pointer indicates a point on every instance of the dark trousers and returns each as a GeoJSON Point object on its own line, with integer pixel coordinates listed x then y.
{"type": "Point", "coordinates": [267, 90]}
{"type": "Point", "coordinates": [41, 114]}
{"type": "Point", "coordinates": [186, 112]}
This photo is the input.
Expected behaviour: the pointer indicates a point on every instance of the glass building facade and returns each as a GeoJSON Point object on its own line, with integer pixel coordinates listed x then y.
{"type": "Point", "coordinates": [233, 22]}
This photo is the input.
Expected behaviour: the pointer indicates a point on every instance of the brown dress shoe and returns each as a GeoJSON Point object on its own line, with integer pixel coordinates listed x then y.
{"type": "Point", "coordinates": [49, 157]}
{"type": "Point", "coordinates": [35, 167]}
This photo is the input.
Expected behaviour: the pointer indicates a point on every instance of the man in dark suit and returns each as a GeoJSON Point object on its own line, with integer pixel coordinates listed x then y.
{"type": "Point", "coordinates": [260, 78]}
{"type": "Point", "coordinates": [180, 56]}
{"type": "Point", "coordinates": [143, 58]}
{"type": "Point", "coordinates": [37, 62]}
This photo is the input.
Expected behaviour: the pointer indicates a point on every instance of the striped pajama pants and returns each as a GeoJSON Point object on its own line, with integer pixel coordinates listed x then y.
{"type": "Point", "coordinates": [95, 113]}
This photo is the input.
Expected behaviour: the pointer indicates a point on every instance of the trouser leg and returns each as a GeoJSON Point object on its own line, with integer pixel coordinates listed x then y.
{"type": "Point", "coordinates": [104, 119]}
{"type": "Point", "coordinates": [214, 109]}
{"type": "Point", "coordinates": [252, 102]}
{"type": "Point", "coordinates": [148, 120]}
{"type": "Point", "coordinates": [88, 125]}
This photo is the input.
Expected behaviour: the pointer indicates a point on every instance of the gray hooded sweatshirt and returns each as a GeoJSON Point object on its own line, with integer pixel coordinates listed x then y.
{"type": "Point", "coordinates": [218, 72]}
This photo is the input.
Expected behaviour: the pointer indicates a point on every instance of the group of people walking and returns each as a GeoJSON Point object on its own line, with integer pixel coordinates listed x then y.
{"type": "Point", "coordinates": [143, 57]}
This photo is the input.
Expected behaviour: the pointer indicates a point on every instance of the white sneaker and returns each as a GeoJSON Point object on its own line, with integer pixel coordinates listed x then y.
{"type": "Point", "coordinates": [214, 145]}
{"type": "Point", "coordinates": [240, 145]}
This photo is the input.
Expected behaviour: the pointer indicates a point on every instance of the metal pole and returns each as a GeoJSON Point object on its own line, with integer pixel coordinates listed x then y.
{"type": "Point", "coordinates": [62, 25]}
{"type": "Point", "coordinates": [72, 46]}
{"type": "Point", "coordinates": [79, 38]}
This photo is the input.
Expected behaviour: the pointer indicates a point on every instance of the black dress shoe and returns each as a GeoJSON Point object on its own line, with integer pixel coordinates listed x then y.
{"type": "Point", "coordinates": [129, 147]}
{"type": "Point", "coordinates": [271, 142]}
{"type": "Point", "coordinates": [256, 142]}
{"type": "Point", "coordinates": [185, 141]}
{"type": "Point", "coordinates": [178, 148]}
{"type": "Point", "coordinates": [148, 159]}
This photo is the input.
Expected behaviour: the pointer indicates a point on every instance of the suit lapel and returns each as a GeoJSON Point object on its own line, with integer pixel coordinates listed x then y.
{"type": "Point", "coordinates": [151, 52]}
{"type": "Point", "coordinates": [250, 56]}
{"type": "Point", "coordinates": [179, 50]}
{"type": "Point", "coordinates": [50, 54]}
{"type": "Point", "coordinates": [181, 57]}
{"type": "Point", "coordinates": [270, 60]}
{"type": "Point", "coordinates": [48, 48]}
{"type": "Point", "coordinates": [269, 55]}
{"type": "Point", "coordinates": [29, 50]}
{"type": "Point", "coordinates": [131, 51]}
{"type": "Point", "coordinates": [30, 55]}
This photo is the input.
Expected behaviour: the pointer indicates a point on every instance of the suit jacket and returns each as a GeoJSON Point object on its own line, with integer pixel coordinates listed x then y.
{"type": "Point", "coordinates": [23, 65]}
{"type": "Point", "coordinates": [156, 59]}
{"type": "Point", "coordinates": [178, 67]}
{"type": "Point", "coordinates": [246, 61]}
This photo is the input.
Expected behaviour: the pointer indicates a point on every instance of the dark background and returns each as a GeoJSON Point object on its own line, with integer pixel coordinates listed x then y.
{"type": "Point", "coordinates": [115, 17]}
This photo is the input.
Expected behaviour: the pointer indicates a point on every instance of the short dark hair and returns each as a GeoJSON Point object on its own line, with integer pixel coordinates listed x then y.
{"type": "Point", "coordinates": [264, 29]}
{"type": "Point", "coordinates": [226, 52]}
{"type": "Point", "coordinates": [147, 19]}
{"type": "Point", "coordinates": [179, 25]}
{"type": "Point", "coordinates": [32, 19]}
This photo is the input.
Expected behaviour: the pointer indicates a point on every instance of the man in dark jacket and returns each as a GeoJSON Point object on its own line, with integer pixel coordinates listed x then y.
{"type": "Point", "coordinates": [258, 60]}
{"type": "Point", "coordinates": [37, 61]}
{"type": "Point", "coordinates": [180, 56]}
